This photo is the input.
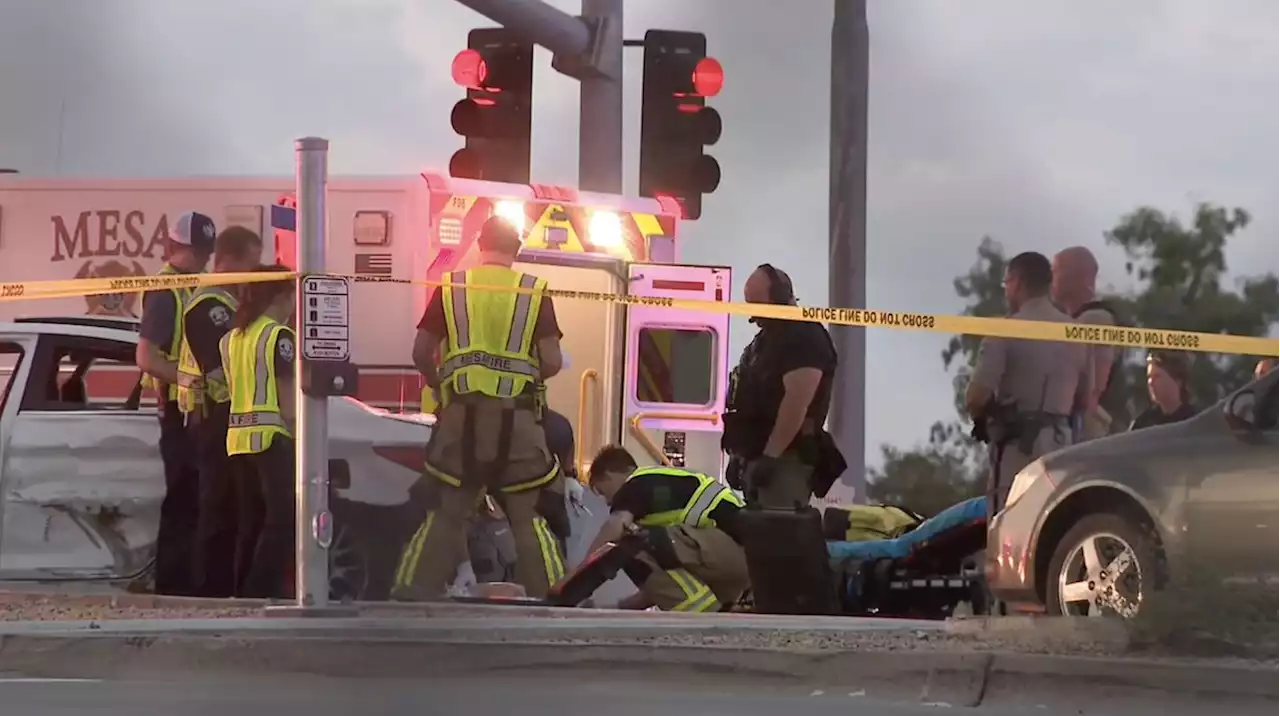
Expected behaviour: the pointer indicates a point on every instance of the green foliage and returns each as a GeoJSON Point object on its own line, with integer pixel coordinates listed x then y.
{"type": "Point", "coordinates": [928, 479]}
{"type": "Point", "coordinates": [1178, 271]}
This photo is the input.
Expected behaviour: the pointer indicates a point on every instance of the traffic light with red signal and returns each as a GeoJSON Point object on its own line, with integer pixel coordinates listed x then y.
{"type": "Point", "coordinates": [675, 121]}
{"type": "Point", "coordinates": [496, 118]}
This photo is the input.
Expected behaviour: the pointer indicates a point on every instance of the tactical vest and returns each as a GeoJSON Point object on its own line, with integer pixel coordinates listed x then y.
{"type": "Point", "coordinates": [193, 384]}
{"type": "Point", "coordinates": [248, 358]}
{"type": "Point", "coordinates": [1112, 399]}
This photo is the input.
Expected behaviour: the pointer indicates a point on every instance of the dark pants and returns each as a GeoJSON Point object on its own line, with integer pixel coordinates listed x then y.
{"type": "Point", "coordinates": [216, 531]}
{"type": "Point", "coordinates": [267, 510]}
{"type": "Point", "coordinates": [175, 538]}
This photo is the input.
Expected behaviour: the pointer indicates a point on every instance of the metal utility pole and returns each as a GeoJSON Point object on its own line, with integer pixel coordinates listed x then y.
{"type": "Point", "coordinates": [313, 520]}
{"type": "Point", "coordinates": [847, 263]}
{"type": "Point", "coordinates": [600, 111]}
{"type": "Point", "coordinates": [589, 49]}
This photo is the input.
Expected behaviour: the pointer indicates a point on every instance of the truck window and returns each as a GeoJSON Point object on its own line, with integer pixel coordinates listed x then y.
{"type": "Point", "coordinates": [10, 361]}
{"type": "Point", "coordinates": [675, 366]}
{"type": "Point", "coordinates": [77, 373]}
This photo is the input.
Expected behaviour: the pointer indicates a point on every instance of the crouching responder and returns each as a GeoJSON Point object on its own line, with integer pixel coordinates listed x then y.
{"type": "Point", "coordinates": [498, 345]}
{"type": "Point", "coordinates": [258, 355]}
{"type": "Point", "coordinates": [695, 561]}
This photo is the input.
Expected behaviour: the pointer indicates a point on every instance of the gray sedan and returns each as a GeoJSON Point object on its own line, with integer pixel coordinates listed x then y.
{"type": "Point", "coordinates": [1094, 528]}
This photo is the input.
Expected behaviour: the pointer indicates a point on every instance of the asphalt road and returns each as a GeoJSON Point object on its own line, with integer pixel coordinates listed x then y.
{"type": "Point", "coordinates": [280, 695]}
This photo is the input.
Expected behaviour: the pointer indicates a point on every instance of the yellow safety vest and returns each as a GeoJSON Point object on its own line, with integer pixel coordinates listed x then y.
{"type": "Point", "coordinates": [171, 353]}
{"type": "Point", "coordinates": [248, 358]}
{"type": "Point", "coordinates": [429, 403]}
{"type": "Point", "coordinates": [697, 511]}
{"type": "Point", "coordinates": [193, 384]}
{"type": "Point", "coordinates": [489, 347]}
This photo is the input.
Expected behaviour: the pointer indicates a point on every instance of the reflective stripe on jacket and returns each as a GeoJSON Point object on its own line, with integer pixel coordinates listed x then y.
{"type": "Point", "coordinates": [248, 358]}
{"type": "Point", "coordinates": [697, 511]}
{"type": "Point", "coordinates": [175, 345]}
{"type": "Point", "coordinates": [193, 384]}
{"type": "Point", "coordinates": [489, 346]}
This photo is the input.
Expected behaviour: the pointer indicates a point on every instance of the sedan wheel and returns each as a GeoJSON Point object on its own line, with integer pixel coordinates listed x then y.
{"type": "Point", "coordinates": [1101, 567]}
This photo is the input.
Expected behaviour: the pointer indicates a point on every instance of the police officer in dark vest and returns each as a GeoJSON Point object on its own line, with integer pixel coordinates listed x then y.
{"type": "Point", "coordinates": [159, 343]}
{"type": "Point", "coordinates": [779, 394]}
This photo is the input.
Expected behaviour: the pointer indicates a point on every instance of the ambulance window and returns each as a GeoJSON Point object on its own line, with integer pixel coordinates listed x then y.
{"type": "Point", "coordinates": [675, 365]}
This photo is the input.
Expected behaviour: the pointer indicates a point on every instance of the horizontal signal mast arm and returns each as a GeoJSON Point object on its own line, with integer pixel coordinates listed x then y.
{"type": "Point", "coordinates": [538, 22]}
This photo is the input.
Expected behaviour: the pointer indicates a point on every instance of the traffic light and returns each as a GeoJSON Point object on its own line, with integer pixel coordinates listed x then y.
{"type": "Point", "coordinates": [675, 121]}
{"type": "Point", "coordinates": [496, 117]}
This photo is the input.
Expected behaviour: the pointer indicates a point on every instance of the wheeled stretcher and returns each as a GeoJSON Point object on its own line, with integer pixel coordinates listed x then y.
{"type": "Point", "coordinates": [923, 573]}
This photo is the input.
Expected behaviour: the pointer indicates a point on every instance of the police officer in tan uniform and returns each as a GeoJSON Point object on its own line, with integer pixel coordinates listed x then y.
{"type": "Point", "coordinates": [1075, 276]}
{"type": "Point", "coordinates": [1025, 391]}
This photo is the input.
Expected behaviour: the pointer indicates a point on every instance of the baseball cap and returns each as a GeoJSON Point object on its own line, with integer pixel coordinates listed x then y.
{"type": "Point", "coordinates": [195, 230]}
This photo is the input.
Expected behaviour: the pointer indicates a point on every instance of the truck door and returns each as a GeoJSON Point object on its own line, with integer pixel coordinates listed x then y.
{"type": "Point", "coordinates": [676, 368]}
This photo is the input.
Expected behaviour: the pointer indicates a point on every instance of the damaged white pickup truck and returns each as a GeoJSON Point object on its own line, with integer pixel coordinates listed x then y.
{"type": "Point", "coordinates": [81, 479]}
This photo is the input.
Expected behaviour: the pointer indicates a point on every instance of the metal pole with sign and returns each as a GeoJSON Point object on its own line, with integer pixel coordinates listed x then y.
{"type": "Point", "coordinates": [314, 523]}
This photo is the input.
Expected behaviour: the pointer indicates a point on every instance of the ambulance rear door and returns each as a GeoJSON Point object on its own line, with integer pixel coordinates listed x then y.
{"type": "Point", "coordinates": [676, 368]}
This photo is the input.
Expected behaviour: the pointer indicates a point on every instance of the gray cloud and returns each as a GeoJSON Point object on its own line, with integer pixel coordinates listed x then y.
{"type": "Point", "coordinates": [1037, 123]}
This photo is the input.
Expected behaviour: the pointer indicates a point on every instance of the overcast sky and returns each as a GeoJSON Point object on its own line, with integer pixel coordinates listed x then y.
{"type": "Point", "coordinates": [1037, 123]}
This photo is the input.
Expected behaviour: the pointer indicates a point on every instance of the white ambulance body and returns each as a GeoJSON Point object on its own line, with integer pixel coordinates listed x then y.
{"type": "Point", "coordinates": [650, 378]}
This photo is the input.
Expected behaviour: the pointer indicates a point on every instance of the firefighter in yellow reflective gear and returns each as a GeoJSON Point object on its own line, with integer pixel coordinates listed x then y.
{"type": "Point", "coordinates": [695, 561]}
{"type": "Point", "coordinates": [159, 340]}
{"type": "Point", "coordinates": [204, 398]}
{"type": "Point", "coordinates": [497, 347]}
{"type": "Point", "coordinates": [258, 355]}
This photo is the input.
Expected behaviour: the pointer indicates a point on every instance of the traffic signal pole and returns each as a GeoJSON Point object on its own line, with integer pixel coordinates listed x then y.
{"type": "Point", "coordinates": [589, 49]}
{"type": "Point", "coordinates": [847, 224]}
{"type": "Point", "coordinates": [600, 99]}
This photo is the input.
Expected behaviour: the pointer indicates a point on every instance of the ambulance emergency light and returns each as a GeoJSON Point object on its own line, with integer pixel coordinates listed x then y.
{"type": "Point", "coordinates": [552, 218]}
{"type": "Point", "coordinates": [604, 230]}
{"type": "Point", "coordinates": [513, 213]}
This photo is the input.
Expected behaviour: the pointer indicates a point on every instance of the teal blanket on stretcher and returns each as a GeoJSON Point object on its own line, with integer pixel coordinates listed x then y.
{"type": "Point", "coordinates": [954, 517]}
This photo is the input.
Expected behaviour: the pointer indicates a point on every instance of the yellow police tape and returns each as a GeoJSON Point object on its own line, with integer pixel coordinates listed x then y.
{"type": "Point", "coordinates": [861, 317]}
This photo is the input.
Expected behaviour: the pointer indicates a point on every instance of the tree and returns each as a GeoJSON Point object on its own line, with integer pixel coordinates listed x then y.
{"type": "Point", "coordinates": [927, 479]}
{"type": "Point", "coordinates": [1178, 271]}
{"type": "Point", "coordinates": [950, 466]}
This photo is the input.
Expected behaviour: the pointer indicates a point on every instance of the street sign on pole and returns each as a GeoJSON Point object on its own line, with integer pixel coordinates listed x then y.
{"type": "Point", "coordinates": [314, 523]}
{"type": "Point", "coordinates": [325, 318]}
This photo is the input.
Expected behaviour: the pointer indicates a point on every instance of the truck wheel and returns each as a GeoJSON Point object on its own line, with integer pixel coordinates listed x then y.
{"type": "Point", "coordinates": [1103, 566]}
{"type": "Point", "coordinates": [348, 566]}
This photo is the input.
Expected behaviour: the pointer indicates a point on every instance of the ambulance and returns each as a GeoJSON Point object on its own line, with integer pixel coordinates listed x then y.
{"type": "Point", "coordinates": [650, 378]}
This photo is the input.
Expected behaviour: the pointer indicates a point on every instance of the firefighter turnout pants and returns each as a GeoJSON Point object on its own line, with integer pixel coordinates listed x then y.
{"type": "Point", "coordinates": [693, 570]}
{"type": "Point", "coordinates": [484, 443]}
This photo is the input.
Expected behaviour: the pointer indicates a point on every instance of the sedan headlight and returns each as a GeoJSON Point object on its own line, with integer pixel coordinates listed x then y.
{"type": "Point", "coordinates": [1024, 480]}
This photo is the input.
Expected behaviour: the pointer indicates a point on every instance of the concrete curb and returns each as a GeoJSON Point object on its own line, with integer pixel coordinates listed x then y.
{"type": "Point", "coordinates": [951, 678]}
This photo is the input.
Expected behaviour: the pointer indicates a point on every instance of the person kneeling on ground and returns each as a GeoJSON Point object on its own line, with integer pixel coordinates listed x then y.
{"type": "Point", "coordinates": [694, 560]}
